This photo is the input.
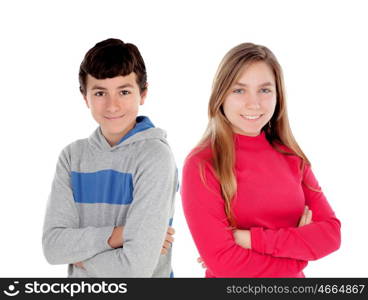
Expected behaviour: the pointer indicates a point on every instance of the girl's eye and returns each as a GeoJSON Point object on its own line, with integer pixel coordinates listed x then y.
{"type": "Point", "coordinates": [238, 91]}
{"type": "Point", "coordinates": [265, 90]}
{"type": "Point", "coordinates": [99, 94]}
{"type": "Point", "coordinates": [125, 92]}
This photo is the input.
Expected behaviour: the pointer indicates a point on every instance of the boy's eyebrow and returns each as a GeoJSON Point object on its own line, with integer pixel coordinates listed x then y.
{"type": "Point", "coordinates": [268, 83]}
{"type": "Point", "coordinates": [125, 85]}
{"type": "Point", "coordinates": [97, 87]}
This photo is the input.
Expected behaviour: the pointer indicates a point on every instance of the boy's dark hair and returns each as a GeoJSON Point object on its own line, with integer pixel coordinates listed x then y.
{"type": "Point", "coordinates": [111, 58]}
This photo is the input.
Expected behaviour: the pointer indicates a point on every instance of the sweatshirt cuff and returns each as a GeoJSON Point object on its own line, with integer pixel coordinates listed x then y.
{"type": "Point", "coordinates": [257, 239]}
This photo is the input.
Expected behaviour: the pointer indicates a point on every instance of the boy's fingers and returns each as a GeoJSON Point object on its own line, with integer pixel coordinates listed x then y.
{"type": "Point", "coordinates": [169, 239]}
{"type": "Point", "coordinates": [167, 245]}
{"type": "Point", "coordinates": [79, 265]}
{"type": "Point", "coordinates": [199, 259]}
{"type": "Point", "coordinates": [164, 251]}
{"type": "Point", "coordinates": [171, 230]}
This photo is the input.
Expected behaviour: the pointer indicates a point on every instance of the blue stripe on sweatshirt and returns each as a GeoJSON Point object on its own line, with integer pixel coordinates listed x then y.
{"type": "Point", "coordinates": [142, 123]}
{"type": "Point", "coordinates": [106, 186]}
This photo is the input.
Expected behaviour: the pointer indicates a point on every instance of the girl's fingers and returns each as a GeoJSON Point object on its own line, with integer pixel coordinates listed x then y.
{"type": "Point", "coordinates": [302, 221]}
{"type": "Point", "coordinates": [164, 251]}
{"type": "Point", "coordinates": [308, 218]}
{"type": "Point", "coordinates": [200, 260]}
{"type": "Point", "coordinates": [303, 217]}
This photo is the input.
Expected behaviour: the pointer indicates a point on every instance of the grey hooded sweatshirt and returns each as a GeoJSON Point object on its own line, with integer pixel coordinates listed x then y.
{"type": "Point", "coordinates": [97, 187]}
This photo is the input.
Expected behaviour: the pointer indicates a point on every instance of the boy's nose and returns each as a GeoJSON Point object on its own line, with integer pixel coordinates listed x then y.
{"type": "Point", "coordinates": [112, 104]}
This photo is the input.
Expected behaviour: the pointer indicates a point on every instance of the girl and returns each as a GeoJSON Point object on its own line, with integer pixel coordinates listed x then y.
{"type": "Point", "coordinates": [248, 190]}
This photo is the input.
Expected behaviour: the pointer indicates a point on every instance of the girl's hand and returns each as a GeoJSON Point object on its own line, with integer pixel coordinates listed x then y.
{"type": "Point", "coordinates": [169, 239]}
{"type": "Point", "coordinates": [306, 218]}
{"type": "Point", "coordinates": [200, 260]}
{"type": "Point", "coordinates": [243, 238]}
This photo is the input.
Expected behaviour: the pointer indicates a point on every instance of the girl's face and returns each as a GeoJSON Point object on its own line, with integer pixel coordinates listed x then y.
{"type": "Point", "coordinates": [251, 101]}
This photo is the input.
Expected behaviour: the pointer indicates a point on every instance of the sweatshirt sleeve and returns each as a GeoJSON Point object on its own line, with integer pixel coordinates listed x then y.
{"type": "Point", "coordinates": [309, 242]}
{"type": "Point", "coordinates": [63, 241]}
{"type": "Point", "coordinates": [205, 214]}
{"type": "Point", "coordinates": [155, 183]}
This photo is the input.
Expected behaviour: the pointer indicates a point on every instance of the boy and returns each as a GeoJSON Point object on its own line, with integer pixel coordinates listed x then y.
{"type": "Point", "coordinates": [112, 197]}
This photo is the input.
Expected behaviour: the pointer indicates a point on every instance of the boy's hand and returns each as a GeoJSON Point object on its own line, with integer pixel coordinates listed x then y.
{"type": "Point", "coordinates": [169, 239]}
{"type": "Point", "coordinates": [79, 265]}
{"type": "Point", "coordinates": [306, 217]}
{"type": "Point", "coordinates": [116, 240]}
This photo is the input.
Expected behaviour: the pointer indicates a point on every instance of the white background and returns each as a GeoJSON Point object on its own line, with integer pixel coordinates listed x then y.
{"type": "Point", "coordinates": [321, 45]}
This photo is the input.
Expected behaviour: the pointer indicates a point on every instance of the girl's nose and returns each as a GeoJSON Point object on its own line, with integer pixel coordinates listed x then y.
{"type": "Point", "coordinates": [252, 101]}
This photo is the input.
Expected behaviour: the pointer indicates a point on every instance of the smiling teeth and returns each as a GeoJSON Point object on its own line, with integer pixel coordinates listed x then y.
{"type": "Point", "coordinates": [251, 117]}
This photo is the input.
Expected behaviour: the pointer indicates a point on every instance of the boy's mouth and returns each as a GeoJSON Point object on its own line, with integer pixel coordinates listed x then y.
{"type": "Point", "coordinates": [113, 118]}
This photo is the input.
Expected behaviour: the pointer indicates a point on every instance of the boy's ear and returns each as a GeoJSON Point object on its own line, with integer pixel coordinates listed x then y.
{"type": "Point", "coordinates": [144, 95]}
{"type": "Point", "coordinates": [85, 100]}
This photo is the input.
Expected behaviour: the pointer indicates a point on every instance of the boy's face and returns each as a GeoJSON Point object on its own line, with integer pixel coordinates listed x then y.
{"type": "Point", "coordinates": [114, 104]}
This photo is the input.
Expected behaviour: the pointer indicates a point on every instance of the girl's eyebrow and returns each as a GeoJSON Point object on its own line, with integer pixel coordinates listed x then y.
{"type": "Point", "coordinates": [268, 83]}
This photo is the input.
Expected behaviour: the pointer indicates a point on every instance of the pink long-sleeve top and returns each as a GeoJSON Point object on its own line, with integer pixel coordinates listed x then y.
{"type": "Point", "coordinates": [272, 192]}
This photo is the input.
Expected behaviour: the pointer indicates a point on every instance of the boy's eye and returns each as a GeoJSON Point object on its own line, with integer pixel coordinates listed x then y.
{"type": "Point", "coordinates": [99, 94]}
{"type": "Point", "coordinates": [238, 91]}
{"type": "Point", "coordinates": [124, 92]}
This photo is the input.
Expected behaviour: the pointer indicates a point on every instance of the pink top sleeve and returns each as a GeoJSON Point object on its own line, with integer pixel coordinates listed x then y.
{"type": "Point", "coordinates": [309, 242]}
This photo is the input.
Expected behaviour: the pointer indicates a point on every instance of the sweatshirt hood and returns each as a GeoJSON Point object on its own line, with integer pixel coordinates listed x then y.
{"type": "Point", "coordinates": [143, 130]}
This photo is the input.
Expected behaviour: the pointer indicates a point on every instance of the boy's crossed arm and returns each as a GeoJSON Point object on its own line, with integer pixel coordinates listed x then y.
{"type": "Point", "coordinates": [155, 185]}
{"type": "Point", "coordinates": [116, 241]}
{"type": "Point", "coordinates": [64, 242]}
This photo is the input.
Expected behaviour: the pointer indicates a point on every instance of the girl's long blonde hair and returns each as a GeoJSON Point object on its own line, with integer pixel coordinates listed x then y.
{"type": "Point", "coordinates": [219, 133]}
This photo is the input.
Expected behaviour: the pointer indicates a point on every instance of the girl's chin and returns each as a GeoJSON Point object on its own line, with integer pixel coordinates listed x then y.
{"type": "Point", "coordinates": [248, 131]}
